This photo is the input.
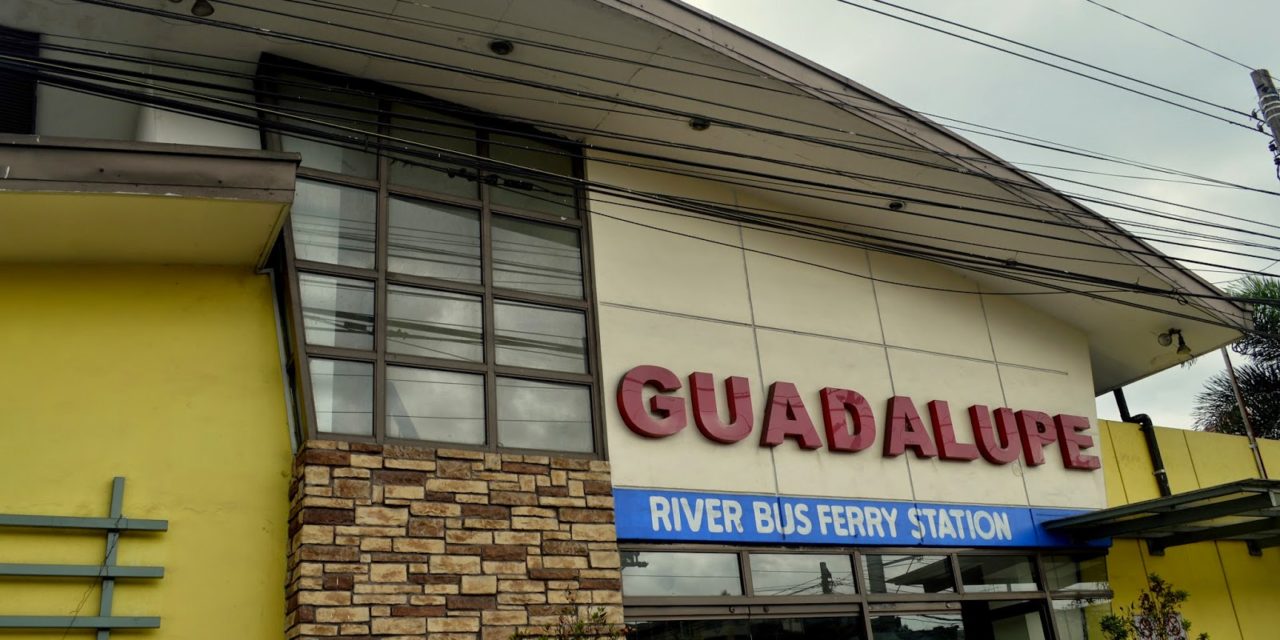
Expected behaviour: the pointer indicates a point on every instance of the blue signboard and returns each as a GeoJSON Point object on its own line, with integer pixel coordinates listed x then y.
{"type": "Point", "coordinates": [685, 516]}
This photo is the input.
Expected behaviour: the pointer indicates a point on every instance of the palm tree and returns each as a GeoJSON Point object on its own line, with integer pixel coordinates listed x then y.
{"type": "Point", "coordinates": [1259, 378]}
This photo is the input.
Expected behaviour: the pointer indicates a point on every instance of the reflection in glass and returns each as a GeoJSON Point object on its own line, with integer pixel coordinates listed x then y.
{"type": "Point", "coordinates": [544, 415]}
{"type": "Point", "coordinates": [530, 256]}
{"type": "Point", "coordinates": [352, 116]}
{"type": "Point", "coordinates": [908, 574]}
{"type": "Point", "coordinates": [997, 573]}
{"type": "Point", "coordinates": [540, 337]}
{"type": "Point", "coordinates": [529, 191]}
{"type": "Point", "coordinates": [333, 224]}
{"type": "Point", "coordinates": [1076, 573]}
{"type": "Point", "coordinates": [443, 406]}
{"type": "Point", "coordinates": [794, 574]}
{"type": "Point", "coordinates": [652, 573]}
{"type": "Point", "coordinates": [924, 626]}
{"type": "Point", "coordinates": [1080, 619]}
{"type": "Point", "coordinates": [434, 324]}
{"type": "Point", "coordinates": [336, 312]}
{"type": "Point", "coordinates": [343, 396]}
{"type": "Point", "coordinates": [433, 240]}
{"type": "Point", "coordinates": [413, 166]}
{"type": "Point", "coordinates": [833, 628]}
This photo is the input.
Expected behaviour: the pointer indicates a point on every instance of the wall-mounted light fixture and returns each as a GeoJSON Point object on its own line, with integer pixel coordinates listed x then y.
{"type": "Point", "coordinates": [502, 47]}
{"type": "Point", "coordinates": [201, 9]}
{"type": "Point", "coordinates": [1165, 339]}
{"type": "Point", "coordinates": [699, 124]}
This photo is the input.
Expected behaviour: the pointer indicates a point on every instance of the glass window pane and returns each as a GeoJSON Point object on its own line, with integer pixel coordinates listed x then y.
{"type": "Point", "coordinates": [337, 312]}
{"type": "Point", "coordinates": [544, 415]}
{"type": "Point", "coordinates": [1076, 573]}
{"type": "Point", "coordinates": [413, 166]}
{"type": "Point", "coordinates": [921, 626]}
{"type": "Point", "coordinates": [1080, 619]}
{"type": "Point", "coordinates": [434, 324]}
{"type": "Point", "coordinates": [530, 256]}
{"type": "Point", "coordinates": [333, 224]}
{"type": "Point", "coordinates": [847, 627]}
{"type": "Point", "coordinates": [433, 240]}
{"type": "Point", "coordinates": [997, 573]}
{"type": "Point", "coordinates": [540, 337]}
{"type": "Point", "coordinates": [908, 574]}
{"type": "Point", "coordinates": [343, 394]}
{"type": "Point", "coordinates": [530, 192]}
{"type": "Point", "coordinates": [347, 153]}
{"type": "Point", "coordinates": [652, 573]}
{"type": "Point", "coordinates": [795, 574]}
{"type": "Point", "coordinates": [435, 405]}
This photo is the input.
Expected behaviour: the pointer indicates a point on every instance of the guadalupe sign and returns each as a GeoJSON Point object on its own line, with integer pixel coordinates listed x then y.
{"type": "Point", "coordinates": [999, 437]}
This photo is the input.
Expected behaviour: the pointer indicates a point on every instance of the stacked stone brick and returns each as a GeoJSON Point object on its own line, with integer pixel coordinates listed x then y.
{"type": "Point", "coordinates": [406, 542]}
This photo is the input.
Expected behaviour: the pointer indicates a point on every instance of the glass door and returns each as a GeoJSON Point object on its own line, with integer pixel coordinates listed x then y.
{"type": "Point", "coordinates": [975, 620]}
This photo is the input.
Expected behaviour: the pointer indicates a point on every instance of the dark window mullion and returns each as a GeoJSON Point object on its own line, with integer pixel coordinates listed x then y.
{"type": "Point", "coordinates": [337, 178]}
{"type": "Point", "coordinates": [380, 309]}
{"type": "Point", "coordinates": [415, 193]}
{"type": "Point", "coordinates": [535, 216]}
{"type": "Point", "coordinates": [487, 318]}
{"type": "Point", "coordinates": [545, 375]}
{"type": "Point", "coordinates": [298, 331]}
{"type": "Point", "coordinates": [423, 282]}
{"type": "Point", "coordinates": [543, 299]}
{"type": "Point", "coordinates": [329, 269]}
{"type": "Point", "coordinates": [443, 364]}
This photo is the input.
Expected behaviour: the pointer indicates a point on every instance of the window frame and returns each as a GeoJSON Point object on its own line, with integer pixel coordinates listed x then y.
{"type": "Point", "coordinates": [863, 602]}
{"type": "Point", "coordinates": [381, 278]}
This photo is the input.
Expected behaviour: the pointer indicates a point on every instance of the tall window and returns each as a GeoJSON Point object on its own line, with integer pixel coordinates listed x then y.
{"type": "Point", "coordinates": [443, 299]}
{"type": "Point", "coordinates": [17, 88]}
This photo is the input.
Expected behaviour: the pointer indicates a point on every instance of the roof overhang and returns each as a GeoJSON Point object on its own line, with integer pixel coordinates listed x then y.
{"type": "Point", "coordinates": [95, 202]}
{"type": "Point", "coordinates": [1246, 510]}
{"type": "Point", "coordinates": [650, 65]}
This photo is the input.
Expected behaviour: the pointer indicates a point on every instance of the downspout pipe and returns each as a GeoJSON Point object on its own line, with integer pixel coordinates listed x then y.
{"type": "Point", "coordinates": [1148, 429]}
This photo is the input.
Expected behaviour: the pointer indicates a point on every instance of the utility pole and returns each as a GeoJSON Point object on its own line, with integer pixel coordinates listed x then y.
{"type": "Point", "coordinates": [1269, 107]}
{"type": "Point", "coordinates": [1244, 416]}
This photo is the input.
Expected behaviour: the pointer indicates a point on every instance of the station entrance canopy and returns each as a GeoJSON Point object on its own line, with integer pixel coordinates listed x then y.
{"type": "Point", "coordinates": [1246, 510]}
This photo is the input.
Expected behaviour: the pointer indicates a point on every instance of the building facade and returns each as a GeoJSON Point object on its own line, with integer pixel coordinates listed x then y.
{"type": "Point", "coordinates": [353, 320]}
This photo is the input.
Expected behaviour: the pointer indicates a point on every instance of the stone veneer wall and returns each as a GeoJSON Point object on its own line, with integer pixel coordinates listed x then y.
{"type": "Point", "coordinates": [408, 542]}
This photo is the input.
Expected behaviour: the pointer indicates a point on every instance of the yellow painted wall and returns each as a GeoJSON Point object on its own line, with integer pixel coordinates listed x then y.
{"type": "Point", "coordinates": [1234, 596]}
{"type": "Point", "coordinates": [170, 377]}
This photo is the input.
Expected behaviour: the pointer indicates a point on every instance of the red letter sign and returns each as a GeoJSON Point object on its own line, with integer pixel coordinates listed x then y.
{"type": "Point", "coordinates": [786, 417]}
{"type": "Point", "coordinates": [668, 409]}
{"type": "Point", "coordinates": [706, 412]}
{"type": "Point", "coordinates": [904, 430]}
{"type": "Point", "coordinates": [835, 403]}
{"type": "Point", "coordinates": [996, 448]}
{"type": "Point", "coordinates": [1071, 441]}
{"type": "Point", "coordinates": [1037, 432]}
{"type": "Point", "coordinates": [944, 434]}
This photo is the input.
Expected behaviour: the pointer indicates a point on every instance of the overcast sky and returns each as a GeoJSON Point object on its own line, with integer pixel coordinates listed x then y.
{"type": "Point", "coordinates": [938, 74]}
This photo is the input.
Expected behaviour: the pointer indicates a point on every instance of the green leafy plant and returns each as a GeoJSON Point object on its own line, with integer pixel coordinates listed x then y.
{"type": "Point", "coordinates": [1156, 616]}
{"type": "Point", "coordinates": [1259, 376]}
{"type": "Point", "coordinates": [572, 625]}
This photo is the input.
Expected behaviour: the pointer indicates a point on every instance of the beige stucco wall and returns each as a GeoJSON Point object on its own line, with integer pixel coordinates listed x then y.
{"type": "Point", "coordinates": [692, 294]}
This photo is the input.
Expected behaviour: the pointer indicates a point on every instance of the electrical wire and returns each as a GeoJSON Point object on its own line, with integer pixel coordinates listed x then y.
{"type": "Point", "coordinates": [1059, 147]}
{"type": "Point", "coordinates": [952, 168]}
{"type": "Point", "coordinates": [1175, 37]}
{"type": "Point", "coordinates": [890, 181]}
{"type": "Point", "coordinates": [951, 220]}
{"type": "Point", "coordinates": [455, 68]}
{"type": "Point", "coordinates": [1048, 64]}
{"type": "Point", "coordinates": [1060, 56]}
